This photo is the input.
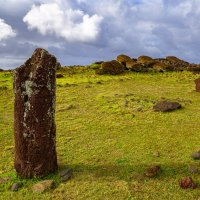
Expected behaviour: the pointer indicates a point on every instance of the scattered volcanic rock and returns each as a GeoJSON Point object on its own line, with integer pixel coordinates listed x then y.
{"type": "Point", "coordinates": [43, 186]}
{"type": "Point", "coordinates": [197, 82]}
{"type": "Point", "coordinates": [111, 67]}
{"type": "Point", "coordinates": [166, 106]}
{"type": "Point", "coordinates": [187, 182]}
{"type": "Point", "coordinates": [195, 155]}
{"type": "Point", "coordinates": [16, 187]}
{"type": "Point", "coordinates": [193, 169]}
{"type": "Point", "coordinates": [152, 171]}
{"type": "Point", "coordinates": [34, 114]}
{"type": "Point", "coordinates": [66, 174]}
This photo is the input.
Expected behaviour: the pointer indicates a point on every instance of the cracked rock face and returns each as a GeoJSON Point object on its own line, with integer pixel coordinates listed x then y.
{"type": "Point", "coordinates": [34, 116]}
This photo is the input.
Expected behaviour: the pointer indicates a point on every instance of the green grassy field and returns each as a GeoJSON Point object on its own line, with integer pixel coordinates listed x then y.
{"type": "Point", "coordinates": [107, 142]}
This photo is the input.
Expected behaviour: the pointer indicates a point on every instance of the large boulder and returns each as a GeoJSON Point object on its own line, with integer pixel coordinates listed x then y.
{"type": "Point", "coordinates": [111, 67]}
{"type": "Point", "coordinates": [176, 63]}
{"type": "Point", "coordinates": [123, 59]}
{"type": "Point", "coordinates": [144, 59]}
{"type": "Point", "coordinates": [147, 61]}
{"type": "Point", "coordinates": [172, 59]}
{"type": "Point", "coordinates": [130, 63]}
{"type": "Point", "coordinates": [161, 67]}
{"type": "Point", "coordinates": [136, 67]}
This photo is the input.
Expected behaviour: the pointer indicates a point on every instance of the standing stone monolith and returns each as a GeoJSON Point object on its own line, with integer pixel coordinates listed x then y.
{"type": "Point", "coordinates": [197, 82]}
{"type": "Point", "coordinates": [34, 116]}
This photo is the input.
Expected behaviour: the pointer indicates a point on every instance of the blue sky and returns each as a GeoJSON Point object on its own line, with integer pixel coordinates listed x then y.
{"type": "Point", "coordinates": [85, 31]}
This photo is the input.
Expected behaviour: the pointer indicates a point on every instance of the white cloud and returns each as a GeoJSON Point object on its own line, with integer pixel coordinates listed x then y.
{"type": "Point", "coordinates": [72, 25]}
{"type": "Point", "coordinates": [6, 30]}
{"type": "Point", "coordinates": [89, 30]}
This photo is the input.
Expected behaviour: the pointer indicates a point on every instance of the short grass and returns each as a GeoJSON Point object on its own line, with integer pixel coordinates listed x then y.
{"type": "Point", "coordinates": [107, 141]}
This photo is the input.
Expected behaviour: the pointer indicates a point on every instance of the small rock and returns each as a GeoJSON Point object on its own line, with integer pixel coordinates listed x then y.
{"type": "Point", "coordinates": [43, 186]}
{"type": "Point", "coordinates": [193, 169]}
{"type": "Point", "coordinates": [16, 187]}
{"type": "Point", "coordinates": [139, 109]}
{"type": "Point", "coordinates": [59, 76]}
{"type": "Point", "coordinates": [187, 182]}
{"type": "Point", "coordinates": [66, 174]}
{"type": "Point", "coordinates": [156, 154]}
{"type": "Point", "coordinates": [166, 106]}
{"type": "Point", "coordinates": [152, 171]}
{"type": "Point", "coordinates": [196, 155]}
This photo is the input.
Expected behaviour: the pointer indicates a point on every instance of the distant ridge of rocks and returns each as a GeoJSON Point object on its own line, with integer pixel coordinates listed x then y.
{"type": "Point", "coordinates": [144, 64]}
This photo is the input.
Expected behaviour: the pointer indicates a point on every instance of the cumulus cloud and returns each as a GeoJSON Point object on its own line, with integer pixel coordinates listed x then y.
{"type": "Point", "coordinates": [72, 25]}
{"type": "Point", "coordinates": [6, 30]}
{"type": "Point", "coordinates": [83, 31]}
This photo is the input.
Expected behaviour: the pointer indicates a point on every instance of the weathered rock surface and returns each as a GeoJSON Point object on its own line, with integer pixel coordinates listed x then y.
{"type": "Point", "coordinates": [34, 116]}
{"type": "Point", "coordinates": [123, 59]}
{"type": "Point", "coordinates": [66, 174]}
{"type": "Point", "coordinates": [187, 182]}
{"type": "Point", "coordinates": [161, 67]}
{"type": "Point", "coordinates": [16, 187]}
{"type": "Point", "coordinates": [144, 59]}
{"type": "Point", "coordinates": [195, 155]}
{"type": "Point", "coordinates": [111, 67]}
{"type": "Point", "coordinates": [197, 82]}
{"type": "Point", "coordinates": [43, 186]}
{"type": "Point", "coordinates": [166, 106]}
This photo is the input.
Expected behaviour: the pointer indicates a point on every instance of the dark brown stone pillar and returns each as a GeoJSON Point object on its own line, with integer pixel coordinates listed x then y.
{"type": "Point", "coordinates": [197, 82]}
{"type": "Point", "coordinates": [34, 116]}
